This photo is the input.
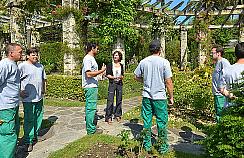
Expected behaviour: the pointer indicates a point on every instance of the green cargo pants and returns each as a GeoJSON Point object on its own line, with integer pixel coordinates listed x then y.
{"type": "Point", "coordinates": [91, 107]}
{"type": "Point", "coordinates": [159, 109]}
{"type": "Point", "coordinates": [33, 114]}
{"type": "Point", "coordinates": [219, 102]}
{"type": "Point", "coordinates": [9, 131]}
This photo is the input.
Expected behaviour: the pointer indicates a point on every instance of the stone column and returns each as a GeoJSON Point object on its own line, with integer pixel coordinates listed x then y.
{"type": "Point", "coordinates": [119, 46]}
{"type": "Point", "coordinates": [183, 48]}
{"type": "Point", "coordinates": [15, 33]}
{"type": "Point", "coordinates": [162, 41]}
{"type": "Point", "coordinates": [202, 50]}
{"type": "Point", "coordinates": [70, 37]}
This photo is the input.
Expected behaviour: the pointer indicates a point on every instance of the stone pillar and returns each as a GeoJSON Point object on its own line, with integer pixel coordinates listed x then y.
{"type": "Point", "coordinates": [202, 51]}
{"type": "Point", "coordinates": [15, 33]}
{"type": "Point", "coordinates": [162, 41]}
{"type": "Point", "coordinates": [119, 46]}
{"type": "Point", "coordinates": [70, 37]}
{"type": "Point", "coordinates": [183, 48]}
{"type": "Point", "coordinates": [241, 33]}
{"type": "Point", "coordinates": [33, 37]}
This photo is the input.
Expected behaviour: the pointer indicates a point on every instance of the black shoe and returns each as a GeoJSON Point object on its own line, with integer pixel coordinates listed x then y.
{"type": "Point", "coordinates": [28, 147]}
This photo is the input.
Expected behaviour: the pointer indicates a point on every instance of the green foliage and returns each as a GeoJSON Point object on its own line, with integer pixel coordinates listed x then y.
{"type": "Point", "coordinates": [173, 51]}
{"type": "Point", "coordinates": [115, 18]}
{"type": "Point", "coordinates": [193, 90]}
{"type": "Point", "coordinates": [226, 139]}
{"type": "Point", "coordinates": [230, 55]}
{"type": "Point", "coordinates": [69, 87]}
{"type": "Point", "coordinates": [52, 56]}
{"type": "Point", "coordinates": [65, 87]}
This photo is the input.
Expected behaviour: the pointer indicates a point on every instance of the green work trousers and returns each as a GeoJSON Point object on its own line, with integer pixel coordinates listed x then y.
{"type": "Point", "coordinates": [159, 109]}
{"type": "Point", "coordinates": [219, 102]}
{"type": "Point", "coordinates": [33, 114]}
{"type": "Point", "coordinates": [9, 131]}
{"type": "Point", "coordinates": [91, 107]}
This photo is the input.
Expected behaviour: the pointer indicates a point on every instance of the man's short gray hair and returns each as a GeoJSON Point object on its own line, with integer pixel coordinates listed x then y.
{"type": "Point", "coordinates": [10, 47]}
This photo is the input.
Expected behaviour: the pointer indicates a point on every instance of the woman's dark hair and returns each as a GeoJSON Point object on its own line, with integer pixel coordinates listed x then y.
{"type": "Point", "coordinates": [239, 50]}
{"type": "Point", "coordinates": [120, 55]}
{"type": "Point", "coordinates": [219, 48]}
{"type": "Point", "coordinates": [90, 46]}
{"type": "Point", "coordinates": [32, 50]}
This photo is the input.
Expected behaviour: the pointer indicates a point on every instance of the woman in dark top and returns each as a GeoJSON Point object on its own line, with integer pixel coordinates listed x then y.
{"type": "Point", "coordinates": [115, 74]}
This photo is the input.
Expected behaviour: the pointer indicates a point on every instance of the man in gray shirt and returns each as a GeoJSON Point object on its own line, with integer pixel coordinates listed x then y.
{"type": "Point", "coordinates": [33, 87]}
{"type": "Point", "coordinates": [220, 65]}
{"type": "Point", "coordinates": [90, 85]}
{"type": "Point", "coordinates": [9, 100]}
{"type": "Point", "coordinates": [233, 74]}
{"type": "Point", "coordinates": [155, 73]}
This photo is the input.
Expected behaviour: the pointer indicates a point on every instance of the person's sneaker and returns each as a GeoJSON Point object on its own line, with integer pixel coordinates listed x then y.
{"type": "Point", "coordinates": [99, 131]}
{"type": "Point", "coordinates": [28, 147]}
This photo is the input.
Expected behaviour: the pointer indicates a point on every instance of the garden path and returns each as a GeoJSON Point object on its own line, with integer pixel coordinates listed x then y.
{"type": "Point", "coordinates": [69, 125]}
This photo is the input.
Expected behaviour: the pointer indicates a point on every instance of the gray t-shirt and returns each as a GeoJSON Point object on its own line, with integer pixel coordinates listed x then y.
{"type": "Point", "coordinates": [154, 70]}
{"type": "Point", "coordinates": [9, 84]}
{"type": "Point", "coordinates": [230, 76]}
{"type": "Point", "coordinates": [32, 78]}
{"type": "Point", "coordinates": [89, 64]}
{"type": "Point", "coordinates": [220, 67]}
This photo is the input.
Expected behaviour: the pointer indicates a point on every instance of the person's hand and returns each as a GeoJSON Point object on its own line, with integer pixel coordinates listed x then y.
{"type": "Point", "coordinates": [103, 67]}
{"type": "Point", "coordinates": [231, 96]}
{"type": "Point", "coordinates": [171, 101]}
{"type": "Point", "coordinates": [23, 94]}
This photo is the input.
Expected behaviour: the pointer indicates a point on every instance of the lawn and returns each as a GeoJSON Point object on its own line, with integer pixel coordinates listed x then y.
{"type": "Point", "coordinates": [109, 146]}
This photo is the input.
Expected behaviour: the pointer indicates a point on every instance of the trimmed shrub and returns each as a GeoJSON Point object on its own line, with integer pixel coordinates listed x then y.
{"type": "Point", "coordinates": [69, 87]}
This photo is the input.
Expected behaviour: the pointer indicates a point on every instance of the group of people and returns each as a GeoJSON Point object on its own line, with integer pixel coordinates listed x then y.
{"type": "Point", "coordinates": [156, 75]}
{"type": "Point", "coordinates": [154, 71]}
{"type": "Point", "coordinates": [225, 76]}
{"type": "Point", "coordinates": [27, 82]}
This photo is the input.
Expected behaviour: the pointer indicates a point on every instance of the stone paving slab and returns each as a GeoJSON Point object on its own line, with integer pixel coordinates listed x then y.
{"type": "Point", "coordinates": [70, 125]}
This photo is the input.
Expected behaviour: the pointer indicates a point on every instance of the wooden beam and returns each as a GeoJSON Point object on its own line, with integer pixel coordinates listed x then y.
{"type": "Point", "coordinates": [178, 5]}
{"type": "Point", "coordinates": [232, 10]}
{"type": "Point", "coordinates": [166, 5]}
{"type": "Point", "coordinates": [188, 17]}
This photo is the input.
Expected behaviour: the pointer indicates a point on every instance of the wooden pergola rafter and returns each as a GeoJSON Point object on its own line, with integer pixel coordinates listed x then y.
{"type": "Point", "coordinates": [192, 9]}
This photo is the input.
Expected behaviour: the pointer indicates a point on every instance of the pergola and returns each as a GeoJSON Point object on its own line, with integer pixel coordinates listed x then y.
{"type": "Point", "coordinates": [193, 9]}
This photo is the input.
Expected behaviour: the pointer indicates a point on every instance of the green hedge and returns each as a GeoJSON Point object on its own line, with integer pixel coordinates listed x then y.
{"type": "Point", "coordinates": [69, 87]}
{"type": "Point", "coordinates": [192, 89]}
{"type": "Point", "coordinates": [226, 139]}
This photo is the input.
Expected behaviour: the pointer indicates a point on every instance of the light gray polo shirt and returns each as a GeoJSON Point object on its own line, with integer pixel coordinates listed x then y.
{"type": "Point", "coordinates": [154, 70]}
{"type": "Point", "coordinates": [33, 76]}
{"type": "Point", "coordinates": [230, 76]}
{"type": "Point", "coordinates": [9, 84]}
{"type": "Point", "coordinates": [219, 69]}
{"type": "Point", "coordinates": [89, 64]}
